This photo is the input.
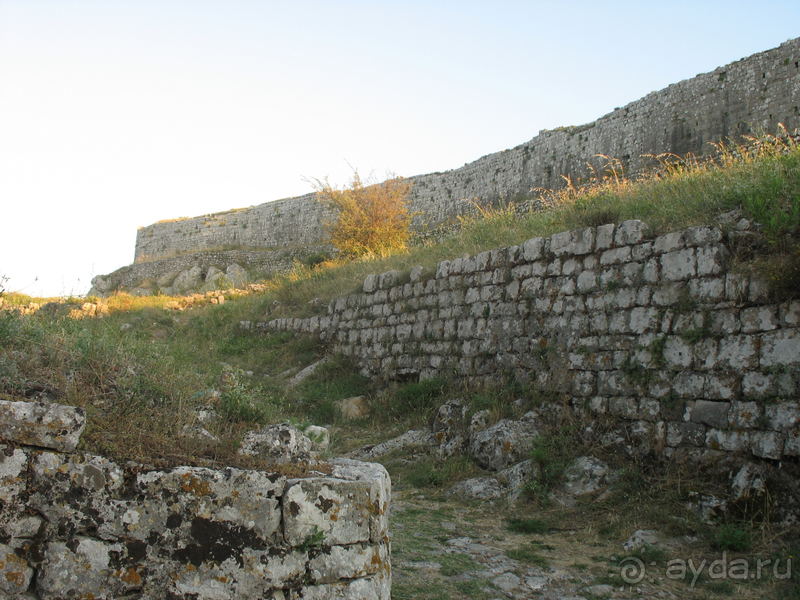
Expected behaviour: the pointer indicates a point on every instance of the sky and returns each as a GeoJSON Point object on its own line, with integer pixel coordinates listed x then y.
{"type": "Point", "coordinates": [115, 114]}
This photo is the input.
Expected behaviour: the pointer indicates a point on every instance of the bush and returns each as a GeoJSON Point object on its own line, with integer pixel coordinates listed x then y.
{"type": "Point", "coordinates": [372, 218]}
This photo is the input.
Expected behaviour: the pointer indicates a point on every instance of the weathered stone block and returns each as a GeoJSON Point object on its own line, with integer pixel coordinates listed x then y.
{"type": "Point", "coordinates": [677, 353]}
{"type": "Point", "coordinates": [348, 507]}
{"type": "Point", "coordinates": [766, 444]}
{"type": "Point", "coordinates": [630, 232]}
{"type": "Point", "coordinates": [616, 256]}
{"type": "Point", "coordinates": [377, 587]}
{"type": "Point", "coordinates": [699, 236]}
{"type": "Point", "coordinates": [669, 242]}
{"type": "Point", "coordinates": [783, 416]}
{"type": "Point", "coordinates": [625, 407]}
{"type": "Point", "coordinates": [504, 443]}
{"type": "Point", "coordinates": [604, 237]}
{"type": "Point", "coordinates": [81, 569]}
{"type": "Point", "coordinates": [685, 434]}
{"type": "Point", "coordinates": [739, 352]}
{"type": "Point", "coordinates": [52, 426]}
{"type": "Point", "coordinates": [780, 348]}
{"type": "Point", "coordinates": [15, 573]}
{"type": "Point", "coordinates": [721, 386]}
{"type": "Point", "coordinates": [713, 414]}
{"type": "Point", "coordinates": [678, 265]}
{"type": "Point", "coordinates": [729, 441]}
{"type": "Point", "coordinates": [347, 562]}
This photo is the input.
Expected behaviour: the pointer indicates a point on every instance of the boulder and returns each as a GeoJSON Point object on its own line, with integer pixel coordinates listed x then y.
{"type": "Point", "coordinates": [449, 428]}
{"type": "Point", "coordinates": [187, 281]}
{"type": "Point", "coordinates": [280, 444]}
{"type": "Point", "coordinates": [353, 408]}
{"type": "Point", "coordinates": [504, 443]}
{"type": "Point", "coordinates": [479, 488]}
{"type": "Point", "coordinates": [166, 279]}
{"type": "Point", "coordinates": [415, 438]}
{"type": "Point", "coordinates": [104, 285]}
{"type": "Point", "coordinates": [212, 281]}
{"type": "Point", "coordinates": [236, 275]}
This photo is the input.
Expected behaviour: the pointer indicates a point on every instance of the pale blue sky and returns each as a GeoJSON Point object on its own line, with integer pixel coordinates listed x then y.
{"type": "Point", "coordinates": [117, 114]}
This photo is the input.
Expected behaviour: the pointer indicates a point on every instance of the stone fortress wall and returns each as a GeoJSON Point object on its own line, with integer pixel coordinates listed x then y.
{"type": "Point", "coordinates": [657, 333]}
{"type": "Point", "coordinates": [760, 91]}
{"type": "Point", "coordinates": [74, 525]}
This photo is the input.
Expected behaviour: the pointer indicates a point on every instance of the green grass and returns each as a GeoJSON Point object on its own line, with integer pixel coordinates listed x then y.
{"type": "Point", "coordinates": [527, 525]}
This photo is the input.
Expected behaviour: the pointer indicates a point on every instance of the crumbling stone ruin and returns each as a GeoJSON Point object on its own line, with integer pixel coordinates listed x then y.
{"type": "Point", "coordinates": [73, 525]}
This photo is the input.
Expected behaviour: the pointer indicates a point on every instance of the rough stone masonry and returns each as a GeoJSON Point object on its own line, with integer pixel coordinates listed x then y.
{"type": "Point", "coordinates": [658, 333]}
{"type": "Point", "coordinates": [73, 525]}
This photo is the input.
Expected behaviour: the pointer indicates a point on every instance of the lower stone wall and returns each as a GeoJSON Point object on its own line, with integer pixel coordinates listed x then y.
{"type": "Point", "coordinates": [74, 525]}
{"type": "Point", "coordinates": [657, 332]}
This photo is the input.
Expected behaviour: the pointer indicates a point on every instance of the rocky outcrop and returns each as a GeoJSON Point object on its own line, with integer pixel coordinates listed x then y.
{"type": "Point", "coordinates": [76, 525]}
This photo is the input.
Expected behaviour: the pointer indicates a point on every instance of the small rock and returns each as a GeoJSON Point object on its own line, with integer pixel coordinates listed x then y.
{"type": "Point", "coordinates": [320, 436]}
{"type": "Point", "coordinates": [598, 590]}
{"type": "Point", "coordinates": [281, 444]}
{"type": "Point", "coordinates": [356, 407]}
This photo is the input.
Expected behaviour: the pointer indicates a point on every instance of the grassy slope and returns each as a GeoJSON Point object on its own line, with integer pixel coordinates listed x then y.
{"type": "Point", "coordinates": [142, 370]}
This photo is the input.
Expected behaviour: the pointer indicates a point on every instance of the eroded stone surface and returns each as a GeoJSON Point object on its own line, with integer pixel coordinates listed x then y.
{"type": "Point", "coordinates": [44, 425]}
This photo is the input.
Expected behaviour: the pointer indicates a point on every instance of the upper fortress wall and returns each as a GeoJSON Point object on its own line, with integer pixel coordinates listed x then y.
{"type": "Point", "coordinates": [757, 92]}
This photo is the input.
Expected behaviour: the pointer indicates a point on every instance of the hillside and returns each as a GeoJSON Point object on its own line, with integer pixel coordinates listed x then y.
{"type": "Point", "coordinates": [178, 381]}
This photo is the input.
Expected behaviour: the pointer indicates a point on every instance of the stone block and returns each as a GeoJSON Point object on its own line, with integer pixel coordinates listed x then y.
{"type": "Point", "coordinates": [15, 573]}
{"type": "Point", "coordinates": [53, 426]}
{"type": "Point", "coordinates": [503, 444]}
{"type": "Point", "coordinates": [677, 354]}
{"type": "Point", "coordinates": [626, 407]}
{"type": "Point", "coordinates": [630, 232]}
{"type": "Point", "coordinates": [713, 414]}
{"type": "Point", "coordinates": [766, 444]}
{"type": "Point", "coordinates": [720, 386]}
{"type": "Point", "coordinates": [744, 415]}
{"type": "Point", "coordinates": [739, 352]}
{"type": "Point", "coordinates": [370, 284]}
{"type": "Point", "coordinates": [13, 473]}
{"type": "Point", "coordinates": [369, 588]}
{"type": "Point", "coordinates": [700, 236]}
{"type": "Point", "coordinates": [642, 252]}
{"type": "Point", "coordinates": [685, 434]}
{"type": "Point", "coordinates": [82, 569]}
{"type": "Point", "coordinates": [783, 416]}
{"type": "Point", "coordinates": [669, 242]}
{"type": "Point", "coordinates": [758, 290]}
{"type": "Point", "coordinates": [616, 256]}
{"type": "Point", "coordinates": [348, 507]}
{"type": "Point", "coordinates": [756, 384]}
{"type": "Point", "coordinates": [789, 314]}
{"type": "Point", "coordinates": [347, 562]}
{"type": "Point", "coordinates": [689, 385]}
{"type": "Point", "coordinates": [780, 348]}
{"type": "Point", "coordinates": [587, 282]}
{"type": "Point", "coordinates": [678, 265]}
{"type": "Point", "coordinates": [728, 441]}
{"type": "Point", "coordinates": [604, 237]}
{"type": "Point", "coordinates": [759, 318]}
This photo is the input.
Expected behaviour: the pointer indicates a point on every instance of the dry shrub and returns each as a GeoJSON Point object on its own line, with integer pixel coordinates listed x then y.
{"type": "Point", "coordinates": [372, 218]}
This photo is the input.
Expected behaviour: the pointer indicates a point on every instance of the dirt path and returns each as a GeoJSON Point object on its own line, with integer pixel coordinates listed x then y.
{"type": "Point", "coordinates": [447, 549]}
